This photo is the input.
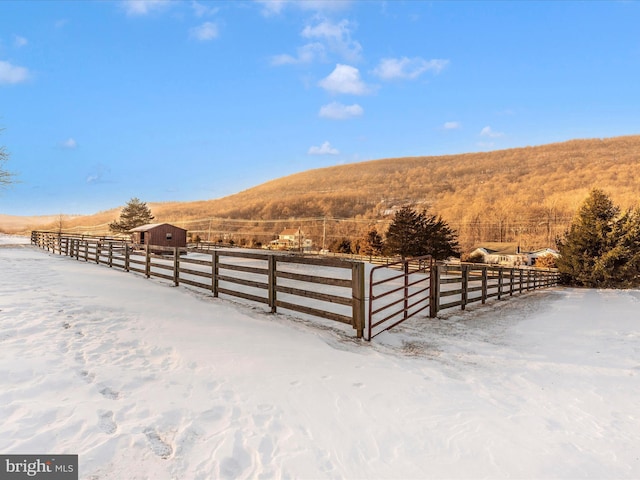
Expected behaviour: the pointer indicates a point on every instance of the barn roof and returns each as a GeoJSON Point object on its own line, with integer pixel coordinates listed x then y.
{"type": "Point", "coordinates": [151, 226]}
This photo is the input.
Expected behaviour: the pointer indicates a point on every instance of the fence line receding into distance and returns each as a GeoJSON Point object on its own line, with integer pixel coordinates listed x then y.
{"type": "Point", "coordinates": [325, 287]}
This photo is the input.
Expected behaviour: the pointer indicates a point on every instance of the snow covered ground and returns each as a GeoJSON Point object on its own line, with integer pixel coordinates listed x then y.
{"type": "Point", "coordinates": [144, 380]}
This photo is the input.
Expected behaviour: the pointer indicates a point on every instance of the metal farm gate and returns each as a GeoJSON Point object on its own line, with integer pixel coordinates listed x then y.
{"type": "Point", "coordinates": [397, 292]}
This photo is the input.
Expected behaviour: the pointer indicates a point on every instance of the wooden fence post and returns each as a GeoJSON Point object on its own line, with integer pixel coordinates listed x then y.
{"type": "Point", "coordinates": [465, 286]}
{"type": "Point", "coordinates": [511, 275]}
{"type": "Point", "coordinates": [214, 272]}
{"type": "Point", "coordinates": [520, 282]}
{"type": "Point", "coordinates": [272, 281]}
{"type": "Point", "coordinates": [126, 257]}
{"type": "Point", "coordinates": [406, 290]}
{"type": "Point", "coordinates": [358, 294]}
{"type": "Point", "coordinates": [485, 286]}
{"type": "Point", "coordinates": [98, 251]}
{"type": "Point", "coordinates": [110, 254]}
{"type": "Point", "coordinates": [434, 291]}
{"type": "Point", "coordinates": [500, 282]}
{"type": "Point", "coordinates": [147, 261]}
{"type": "Point", "coordinates": [176, 266]}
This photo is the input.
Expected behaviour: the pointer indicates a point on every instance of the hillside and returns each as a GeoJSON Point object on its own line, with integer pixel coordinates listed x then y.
{"type": "Point", "coordinates": [523, 194]}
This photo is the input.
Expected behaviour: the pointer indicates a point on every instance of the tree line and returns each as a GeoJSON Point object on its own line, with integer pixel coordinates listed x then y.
{"type": "Point", "coordinates": [410, 234]}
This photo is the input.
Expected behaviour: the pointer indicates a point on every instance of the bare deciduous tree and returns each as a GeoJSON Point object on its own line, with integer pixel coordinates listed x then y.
{"type": "Point", "coordinates": [6, 178]}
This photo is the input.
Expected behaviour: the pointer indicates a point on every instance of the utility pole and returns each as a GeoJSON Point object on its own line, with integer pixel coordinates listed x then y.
{"type": "Point", "coordinates": [324, 232]}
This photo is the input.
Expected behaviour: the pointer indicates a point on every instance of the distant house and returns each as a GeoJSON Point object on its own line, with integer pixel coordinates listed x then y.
{"type": "Point", "coordinates": [508, 254]}
{"type": "Point", "coordinates": [291, 239]}
{"type": "Point", "coordinates": [159, 234]}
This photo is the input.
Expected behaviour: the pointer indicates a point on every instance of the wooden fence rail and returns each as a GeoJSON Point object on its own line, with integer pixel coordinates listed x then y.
{"type": "Point", "coordinates": [326, 287]}
{"type": "Point", "coordinates": [335, 291]}
{"type": "Point", "coordinates": [457, 285]}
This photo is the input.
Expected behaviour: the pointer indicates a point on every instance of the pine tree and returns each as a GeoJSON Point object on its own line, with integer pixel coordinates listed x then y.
{"type": "Point", "coordinates": [413, 234]}
{"type": "Point", "coordinates": [134, 214]}
{"type": "Point", "coordinates": [438, 239]}
{"type": "Point", "coordinates": [601, 248]}
{"type": "Point", "coordinates": [340, 245]}
{"type": "Point", "coordinates": [587, 240]}
{"type": "Point", "coordinates": [403, 235]}
{"type": "Point", "coordinates": [620, 265]}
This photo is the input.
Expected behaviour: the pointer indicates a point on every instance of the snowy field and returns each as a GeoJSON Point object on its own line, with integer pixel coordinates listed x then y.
{"type": "Point", "coordinates": [147, 381]}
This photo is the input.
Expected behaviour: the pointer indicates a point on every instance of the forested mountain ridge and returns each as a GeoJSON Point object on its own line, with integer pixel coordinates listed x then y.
{"type": "Point", "coordinates": [524, 194]}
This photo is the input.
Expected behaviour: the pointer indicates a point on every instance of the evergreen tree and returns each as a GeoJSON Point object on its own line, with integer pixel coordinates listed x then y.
{"type": "Point", "coordinates": [134, 214]}
{"type": "Point", "coordinates": [588, 238]}
{"type": "Point", "coordinates": [403, 235]}
{"type": "Point", "coordinates": [340, 246]}
{"type": "Point", "coordinates": [437, 238]}
{"type": "Point", "coordinates": [413, 234]}
{"type": "Point", "coordinates": [620, 265]}
{"type": "Point", "coordinates": [601, 248]}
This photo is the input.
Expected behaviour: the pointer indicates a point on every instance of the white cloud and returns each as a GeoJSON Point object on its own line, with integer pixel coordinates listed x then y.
{"type": "Point", "coordinates": [12, 74]}
{"type": "Point", "coordinates": [306, 54]}
{"type": "Point", "coordinates": [19, 41]}
{"type": "Point", "coordinates": [323, 5]}
{"type": "Point", "coordinates": [144, 7]}
{"type": "Point", "coordinates": [324, 149]}
{"type": "Point", "coordinates": [324, 37]}
{"type": "Point", "coordinates": [407, 68]}
{"type": "Point", "coordinates": [452, 125]}
{"type": "Point", "coordinates": [201, 10]}
{"type": "Point", "coordinates": [338, 111]}
{"type": "Point", "coordinates": [70, 143]}
{"type": "Point", "coordinates": [345, 79]}
{"type": "Point", "coordinates": [272, 7]}
{"type": "Point", "coordinates": [337, 37]}
{"type": "Point", "coordinates": [488, 132]}
{"type": "Point", "coordinates": [204, 32]}
{"type": "Point", "coordinates": [276, 7]}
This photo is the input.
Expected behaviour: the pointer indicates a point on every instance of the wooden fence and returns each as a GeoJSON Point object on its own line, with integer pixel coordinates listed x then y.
{"type": "Point", "coordinates": [457, 285]}
{"type": "Point", "coordinates": [325, 287]}
{"type": "Point", "coordinates": [335, 291]}
{"type": "Point", "coordinates": [412, 286]}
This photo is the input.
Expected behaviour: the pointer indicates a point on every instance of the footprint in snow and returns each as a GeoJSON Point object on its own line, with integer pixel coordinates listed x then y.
{"type": "Point", "coordinates": [87, 376]}
{"type": "Point", "coordinates": [109, 393]}
{"type": "Point", "coordinates": [106, 422]}
{"type": "Point", "coordinates": [158, 446]}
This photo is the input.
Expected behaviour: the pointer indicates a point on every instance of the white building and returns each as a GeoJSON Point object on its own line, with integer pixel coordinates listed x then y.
{"type": "Point", "coordinates": [509, 254]}
{"type": "Point", "coordinates": [291, 239]}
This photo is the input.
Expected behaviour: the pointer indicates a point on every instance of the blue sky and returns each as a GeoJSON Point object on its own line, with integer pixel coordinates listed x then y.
{"type": "Point", "coordinates": [102, 101]}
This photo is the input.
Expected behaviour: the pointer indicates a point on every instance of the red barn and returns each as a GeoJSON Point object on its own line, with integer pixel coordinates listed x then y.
{"type": "Point", "coordinates": [159, 234]}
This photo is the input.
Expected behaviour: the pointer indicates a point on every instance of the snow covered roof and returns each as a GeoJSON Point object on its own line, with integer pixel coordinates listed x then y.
{"type": "Point", "coordinates": [151, 226]}
{"type": "Point", "coordinates": [499, 248]}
